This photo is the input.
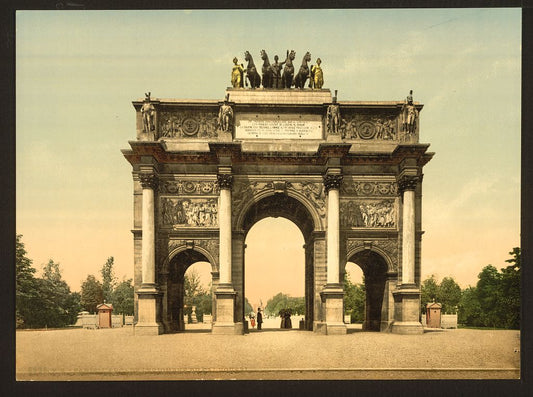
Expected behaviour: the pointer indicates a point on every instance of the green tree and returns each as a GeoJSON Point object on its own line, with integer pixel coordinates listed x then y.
{"type": "Point", "coordinates": [429, 291]}
{"type": "Point", "coordinates": [248, 308]}
{"type": "Point", "coordinates": [510, 291]}
{"type": "Point", "coordinates": [123, 298]}
{"type": "Point", "coordinates": [109, 281]}
{"type": "Point", "coordinates": [489, 295]}
{"type": "Point", "coordinates": [469, 312]}
{"type": "Point", "coordinates": [26, 294]}
{"type": "Point", "coordinates": [92, 294]}
{"type": "Point", "coordinates": [58, 306]}
{"type": "Point", "coordinates": [196, 295]}
{"type": "Point", "coordinates": [354, 300]}
{"type": "Point", "coordinates": [283, 301]}
{"type": "Point", "coordinates": [449, 295]}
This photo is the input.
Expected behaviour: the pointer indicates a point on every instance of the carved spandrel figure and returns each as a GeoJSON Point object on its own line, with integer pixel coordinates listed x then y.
{"type": "Point", "coordinates": [276, 72]}
{"type": "Point", "coordinates": [333, 116]}
{"type": "Point", "coordinates": [148, 112]}
{"type": "Point", "coordinates": [225, 115]}
{"type": "Point", "coordinates": [410, 114]}
{"type": "Point", "coordinates": [317, 76]}
{"type": "Point", "coordinates": [237, 74]}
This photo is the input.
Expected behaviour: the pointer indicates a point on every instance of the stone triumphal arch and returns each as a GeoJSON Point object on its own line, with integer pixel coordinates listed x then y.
{"type": "Point", "coordinates": [347, 173]}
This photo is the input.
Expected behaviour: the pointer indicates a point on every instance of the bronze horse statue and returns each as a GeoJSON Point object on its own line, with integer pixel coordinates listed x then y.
{"type": "Point", "coordinates": [288, 70]}
{"type": "Point", "coordinates": [251, 71]}
{"type": "Point", "coordinates": [267, 71]}
{"type": "Point", "coordinates": [303, 73]}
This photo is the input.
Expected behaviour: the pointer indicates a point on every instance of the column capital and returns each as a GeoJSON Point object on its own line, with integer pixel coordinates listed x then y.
{"type": "Point", "coordinates": [332, 181]}
{"type": "Point", "coordinates": [225, 181]}
{"type": "Point", "coordinates": [148, 180]}
{"type": "Point", "coordinates": [408, 182]}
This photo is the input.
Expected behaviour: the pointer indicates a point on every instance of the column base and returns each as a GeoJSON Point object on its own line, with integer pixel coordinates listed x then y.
{"type": "Point", "coordinates": [407, 310]}
{"type": "Point", "coordinates": [332, 298]}
{"type": "Point", "coordinates": [148, 311]}
{"type": "Point", "coordinates": [227, 329]}
{"type": "Point", "coordinates": [407, 328]}
{"type": "Point", "coordinates": [225, 309]}
{"type": "Point", "coordinates": [147, 329]}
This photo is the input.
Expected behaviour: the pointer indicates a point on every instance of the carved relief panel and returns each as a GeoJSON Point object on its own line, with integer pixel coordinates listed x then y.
{"type": "Point", "coordinates": [368, 213]}
{"type": "Point", "coordinates": [188, 124]}
{"type": "Point", "coordinates": [369, 127]}
{"type": "Point", "coordinates": [188, 203]}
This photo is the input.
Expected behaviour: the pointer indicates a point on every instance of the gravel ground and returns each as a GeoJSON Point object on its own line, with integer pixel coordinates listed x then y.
{"type": "Point", "coordinates": [114, 354]}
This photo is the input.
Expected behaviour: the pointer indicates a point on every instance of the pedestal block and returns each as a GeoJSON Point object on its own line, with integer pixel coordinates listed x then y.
{"type": "Point", "coordinates": [148, 322]}
{"type": "Point", "coordinates": [225, 308]}
{"type": "Point", "coordinates": [407, 311]}
{"type": "Point", "coordinates": [332, 299]}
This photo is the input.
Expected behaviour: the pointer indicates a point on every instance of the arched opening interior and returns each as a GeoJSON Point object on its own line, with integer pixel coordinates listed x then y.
{"type": "Point", "coordinates": [189, 292]}
{"type": "Point", "coordinates": [374, 270]}
{"type": "Point", "coordinates": [284, 257]}
{"type": "Point", "coordinates": [275, 272]}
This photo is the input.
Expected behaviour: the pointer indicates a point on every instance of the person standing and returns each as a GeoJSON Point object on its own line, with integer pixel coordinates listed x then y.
{"type": "Point", "coordinates": [259, 319]}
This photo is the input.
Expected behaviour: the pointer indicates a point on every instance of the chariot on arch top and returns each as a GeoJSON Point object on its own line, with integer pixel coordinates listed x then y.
{"type": "Point", "coordinates": [280, 101]}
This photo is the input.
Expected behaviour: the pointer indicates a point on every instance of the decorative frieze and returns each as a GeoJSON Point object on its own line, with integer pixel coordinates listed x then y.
{"type": "Point", "coordinates": [148, 180]}
{"type": "Point", "coordinates": [188, 212]}
{"type": "Point", "coordinates": [369, 188]}
{"type": "Point", "coordinates": [368, 127]}
{"type": "Point", "coordinates": [187, 124]}
{"type": "Point", "coordinates": [189, 187]}
{"type": "Point", "coordinates": [368, 214]}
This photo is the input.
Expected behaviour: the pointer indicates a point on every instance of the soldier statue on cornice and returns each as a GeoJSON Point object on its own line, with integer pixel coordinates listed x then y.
{"type": "Point", "coordinates": [148, 112]}
{"type": "Point", "coordinates": [333, 116]}
{"type": "Point", "coordinates": [409, 114]}
{"type": "Point", "coordinates": [225, 115]}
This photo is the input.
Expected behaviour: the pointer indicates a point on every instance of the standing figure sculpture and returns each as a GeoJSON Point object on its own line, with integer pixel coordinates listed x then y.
{"type": "Point", "coordinates": [317, 77]}
{"type": "Point", "coordinates": [410, 114]}
{"type": "Point", "coordinates": [251, 71]}
{"type": "Point", "coordinates": [288, 70]}
{"type": "Point", "coordinates": [266, 70]}
{"type": "Point", "coordinates": [333, 116]}
{"type": "Point", "coordinates": [236, 74]}
{"type": "Point", "coordinates": [303, 73]}
{"type": "Point", "coordinates": [148, 112]}
{"type": "Point", "coordinates": [225, 115]}
{"type": "Point", "coordinates": [276, 72]}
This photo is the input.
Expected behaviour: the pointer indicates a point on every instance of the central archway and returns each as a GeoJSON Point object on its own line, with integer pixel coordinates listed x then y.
{"type": "Point", "coordinates": [284, 206]}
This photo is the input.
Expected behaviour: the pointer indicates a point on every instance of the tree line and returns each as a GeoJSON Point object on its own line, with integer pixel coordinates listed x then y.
{"type": "Point", "coordinates": [494, 301]}
{"type": "Point", "coordinates": [47, 301]}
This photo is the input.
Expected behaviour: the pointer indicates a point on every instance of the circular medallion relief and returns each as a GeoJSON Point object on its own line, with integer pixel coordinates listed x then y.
{"type": "Point", "coordinates": [189, 187]}
{"type": "Point", "coordinates": [367, 188]}
{"type": "Point", "coordinates": [366, 130]}
{"type": "Point", "coordinates": [190, 126]}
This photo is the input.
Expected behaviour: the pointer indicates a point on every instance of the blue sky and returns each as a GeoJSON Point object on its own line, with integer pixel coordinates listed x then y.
{"type": "Point", "coordinates": [78, 71]}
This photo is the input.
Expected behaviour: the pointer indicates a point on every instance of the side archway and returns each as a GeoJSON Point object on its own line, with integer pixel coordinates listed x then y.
{"type": "Point", "coordinates": [174, 297]}
{"type": "Point", "coordinates": [375, 268]}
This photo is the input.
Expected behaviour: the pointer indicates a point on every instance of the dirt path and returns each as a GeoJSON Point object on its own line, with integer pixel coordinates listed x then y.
{"type": "Point", "coordinates": [270, 354]}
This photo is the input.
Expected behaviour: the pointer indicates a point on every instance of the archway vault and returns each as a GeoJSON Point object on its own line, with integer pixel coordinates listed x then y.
{"type": "Point", "coordinates": [285, 206]}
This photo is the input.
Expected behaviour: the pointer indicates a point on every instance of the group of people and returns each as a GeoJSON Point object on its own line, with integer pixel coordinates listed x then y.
{"type": "Point", "coordinates": [259, 319]}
